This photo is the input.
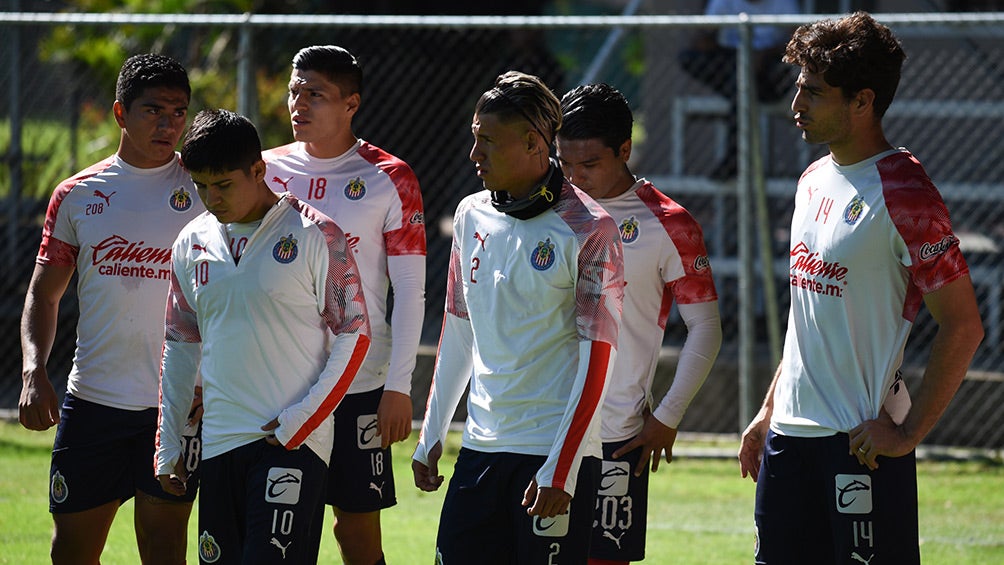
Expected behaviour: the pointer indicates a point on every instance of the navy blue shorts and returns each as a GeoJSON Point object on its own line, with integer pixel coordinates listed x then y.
{"type": "Point", "coordinates": [102, 454]}
{"type": "Point", "coordinates": [483, 520]}
{"type": "Point", "coordinates": [816, 504]}
{"type": "Point", "coordinates": [621, 515]}
{"type": "Point", "coordinates": [261, 503]}
{"type": "Point", "coordinates": [360, 476]}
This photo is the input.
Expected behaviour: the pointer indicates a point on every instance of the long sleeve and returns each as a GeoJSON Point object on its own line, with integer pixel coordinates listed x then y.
{"type": "Point", "coordinates": [454, 363]}
{"type": "Point", "coordinates": [343, 310]}
{"type": "Point", "coordinates": [407, 277]}
{"type": "Point", "coordinates": [704, 339]}
{"type": "Point", "coordinates": [179, 372]}
{"type": "Point", "coordinates": [596, 359]}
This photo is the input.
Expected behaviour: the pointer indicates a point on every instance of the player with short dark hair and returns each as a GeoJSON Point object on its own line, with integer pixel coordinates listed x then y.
{"type": "Point", "coordinates": [533, 304]}
{"type": "Point", "coordinates": [376, 199]}
{"type": "Point", "coordinates": [665, 261]}
{"type": "Point", "coordinates": [871, 242]}
{"type": "Point", "coordinates": [113, 223]}
{"type": "Point", "coordinates": [266, 304]}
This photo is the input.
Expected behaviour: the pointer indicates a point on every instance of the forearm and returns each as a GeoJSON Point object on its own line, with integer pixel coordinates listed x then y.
{"type": "Point", "coordinates": [38, 332]}
{"type": "Point", "coordinates": [704, 339]}
{"type": "Point", "coordinates": [454, 363]}
{"type": "Point", "coordinates": [179, 370]}
{"type": "Point", "coordinates": [407, 275]}
{"type": "Point", "coordinates": [951, 353]}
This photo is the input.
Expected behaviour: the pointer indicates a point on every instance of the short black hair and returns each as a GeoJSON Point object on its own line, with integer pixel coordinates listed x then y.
{"type": "Point", "coordinates": [596, 111]}
{"type": "Point", "coordinates": [335, 63]}
{"type": "Point", "coordinates": [852, 53]}
{"type": "Point", "coordinates": [149, 70]}
{"type": "Point", "coordinates": [220, 141]}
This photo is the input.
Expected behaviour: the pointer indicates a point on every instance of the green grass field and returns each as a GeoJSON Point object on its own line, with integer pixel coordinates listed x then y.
{"type": "Point", "coordinates": [700, 511]}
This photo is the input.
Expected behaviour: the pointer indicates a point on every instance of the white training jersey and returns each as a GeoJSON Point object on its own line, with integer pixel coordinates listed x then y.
{"type": "Point", "coordinates": [115, 224]}
{"type": "Point", "coordinates": [375, 199]}
{"type": "Point", "coordinates": [868, 240]}
{"type": "Point", "coordinates": [532, 315]}
{"type": "Point", "coordinates": [664, 260]}
{"type": "Point", "coordinates": [280, 333]}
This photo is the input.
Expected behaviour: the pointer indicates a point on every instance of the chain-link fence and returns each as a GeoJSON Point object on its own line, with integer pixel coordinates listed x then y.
{"type": "Point", "coordinates": [422, 79]}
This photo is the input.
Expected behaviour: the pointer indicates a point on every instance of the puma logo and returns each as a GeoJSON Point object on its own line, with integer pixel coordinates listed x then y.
{"type": "Point", "coordinates": [284, 183]}
{"type": "Point", "coordinates": [379, 489]}
{"type": "Point", "coordinates": [857, 557]}
{"type": "Point", "coordinates": [281, 547]}
{"type": "Point", "coordinates": [479, 237]}
{"type": "Point", "coordinates": [107, 199]}
{"type": "Point", "coordinates": [616, 539]}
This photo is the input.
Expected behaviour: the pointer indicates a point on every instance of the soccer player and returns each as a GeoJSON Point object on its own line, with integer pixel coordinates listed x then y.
{"type": "Point", "coordinates": [113, 223]}
{"type": "Point", "coordinates": [266, 295]}
{"type": "Point", "coordinates": [535, 288]}
{"type": "Point", "coordinates": [871, 241]}
{"type": "Point", "coordinates": [374, 197]}
{"type": "Point", "coordinates": [664, 261]}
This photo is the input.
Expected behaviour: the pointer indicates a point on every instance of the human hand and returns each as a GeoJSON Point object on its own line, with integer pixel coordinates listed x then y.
{"type": "Point", "coordinates": [427, 477]}
{"type": "Point", "coordinates": [654, 439]}
{"type": "Point", "coordinates": [195, 412]}
{"type": "Point", "coordinates": [752, 444]}
{"type": "Point", "coordinates": [270, 438]}
{"type": "Point", "coordinates": [547, 502]}
{"type": "Point", "coordinates": [175, 483]}
{"type": "Point", "coordinates": [393, 418]}
{"type": "Point", "coordinates": [880, 436]}
{"type": "Point", "coordinates": [38, 406]}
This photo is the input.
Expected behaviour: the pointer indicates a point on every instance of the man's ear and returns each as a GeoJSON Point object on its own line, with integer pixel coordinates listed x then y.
{"type": "Point", "coordinates": [863, 102]}
{"type": "Point", "coordinates": [534, 141]}
{"type": "Point", "coordinates": [258, 170]}
{"type": "Point", "coordinates": [119, 111]}
{"type": "Point", "coordinates": [353, 103]}
{"type": "Point", "coordinates": [624, 153]}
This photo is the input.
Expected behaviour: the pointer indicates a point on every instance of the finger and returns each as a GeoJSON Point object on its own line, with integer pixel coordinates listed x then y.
{"type": "Point", "coordinates": [530, 495]}
{"type": "Point", "coordinates": [196, 415]}
{"type": "Point", "coordinates": [646, 455]}
{"type": "Point", "coordinates": [627, 448]}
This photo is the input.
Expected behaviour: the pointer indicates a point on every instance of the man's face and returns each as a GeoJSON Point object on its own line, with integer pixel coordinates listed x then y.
{"type": "Point", "coordinates": [232, 196]}
{"type": "Point", "coordinates": [152, 126]}
{"type": "Point", "coordinates": [501, 153]}
{"type": "Point", "coordinates": [593, 166]}
{"type": "Point", "coordinates": [320, 114]}
{"type": "Point", "coordinates": [821, 111]}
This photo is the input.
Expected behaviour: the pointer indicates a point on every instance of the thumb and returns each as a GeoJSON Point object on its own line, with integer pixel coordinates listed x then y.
{"type": "Point", "coordinates": [530, 493]}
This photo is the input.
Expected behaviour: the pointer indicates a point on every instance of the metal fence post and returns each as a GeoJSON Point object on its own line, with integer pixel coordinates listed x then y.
{"type": "Point", "coordinates": [15, 153]}
{"type": "Point", "coordinates": [745, 219]}
{"type": "Point", "coordinates": [247, 91]}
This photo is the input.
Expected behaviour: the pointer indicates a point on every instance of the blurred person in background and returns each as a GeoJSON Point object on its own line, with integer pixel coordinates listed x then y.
{"type": "Point", "coordinates": [712, 56]}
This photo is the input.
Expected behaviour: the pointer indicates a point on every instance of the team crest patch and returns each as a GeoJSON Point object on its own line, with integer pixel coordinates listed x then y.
{"type": "Point", "coordinates": [209, 550]}
{"type": "Point", "coordinates": [286, 250]}
{"type": "Point", "coordinates": [58, 489]}
{"type": "Point", "coordinates": [355, 189]}
{"type": "Point", "coordinates": [181, 200]}
{"type": "Point", "coordinates": [629, 230]}
{"type": "Point", "coordinates": [542, 256]}
{"type": "Point", "coordinates": [853, 211]}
